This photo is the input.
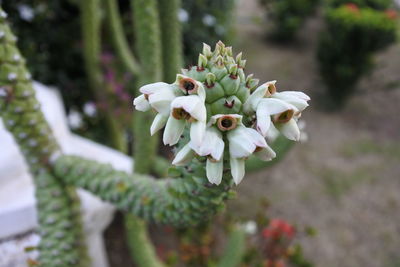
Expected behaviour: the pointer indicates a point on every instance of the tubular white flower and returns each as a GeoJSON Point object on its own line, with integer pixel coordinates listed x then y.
{"type": "Point", "coordinates": [245, 141]}
{"type": "Point", "coordinates": [212, 145]}
{"type": "Point", "coordinates": [173, 131]}
{"type": "Point", "coordinates": [193, 105]}
{"type": "Point", "coordinates": [161, 101]}
{"type": "Point", "coordinates": [264, 90]}
{"type": "Point", "coordinates": [237, 169]}
{"type": "Point", "coordinates": [141, 103]}
{"type": "Point", "coordinates": [265, 108]}
{"type": "Point", "coordinates": [190, 86]}
{"type": "Point", "coordinates": [214, 171]}
{"type": "Point", "coordinates": [158, 123]}
{"type": "Point", "coordinates": [184, 156]}
{"type": "Point", "coordinates": [289, 129]}
{"type": "Point", "coordinates": [152, 88]}
{"type": "Point", "coordinates": [192, 109]}
{"type": "Point", "coordinates": [297, 99]}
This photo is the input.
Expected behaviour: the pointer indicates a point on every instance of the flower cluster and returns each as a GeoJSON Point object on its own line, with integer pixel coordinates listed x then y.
{"type": "Point", "coordinates": [277, 237]}
{"type": "Point", "coordinates": [228, 115]}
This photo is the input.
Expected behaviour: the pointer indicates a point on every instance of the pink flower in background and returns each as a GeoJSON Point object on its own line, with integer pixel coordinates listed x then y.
{"type": "Point", "coordinates": [391, 13]}
{"type": "Point", "coordinates": [352, 7]}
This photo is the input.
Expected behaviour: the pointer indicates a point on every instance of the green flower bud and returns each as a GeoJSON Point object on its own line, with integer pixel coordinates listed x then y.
{"type": "Point", "coordinates": [229, 105]}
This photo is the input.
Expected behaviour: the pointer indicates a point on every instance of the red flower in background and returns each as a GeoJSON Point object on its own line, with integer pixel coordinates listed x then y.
{"type": "Point", "coordinates": [352, 7]}
{"type": "Point", "coordinates": [277, 237]}
{"type": "Point", "coordinates": [391, 13]}
{"type": "Point", "coordinates": [279, 229]}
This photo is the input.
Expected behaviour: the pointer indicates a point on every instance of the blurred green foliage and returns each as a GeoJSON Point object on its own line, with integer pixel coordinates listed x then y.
{"type": "Point", "coordinates": [288, 16]}
{"type": "Point", "coordinates": [347, 45]}
{"type": "Point", "coordinates": [205, 21]}
{"type": "Point", "coordinates": [375, 4]}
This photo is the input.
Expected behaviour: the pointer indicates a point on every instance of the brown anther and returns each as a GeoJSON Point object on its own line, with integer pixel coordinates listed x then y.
{"type": "Point", "coordinates": [232, 76]}
{"type": "Point", "coordinates": [198, 68]}
{"type": "Point", "coordinates": [258, 149]}
{"type": "Point", "coordinates": [181, 114]}
{"type": "Point", "coordinates": [209, 85]}
{"type": "Point", "coordinates": [284, 116]}
{"type": "Point", "coordinates": [210, 158]}
{"type": "Point", "coordinates": [229, 104]}
{"type": "Point", "coordinates": [226, 123]}
{"type": "Point", "coordinates": [146, 97]}
{"type": "Point", "coordinates": [271, 90]}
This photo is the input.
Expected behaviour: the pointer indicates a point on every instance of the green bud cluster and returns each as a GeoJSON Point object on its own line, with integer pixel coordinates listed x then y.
{"type": "Point", "coordinates": [182, 201]}
{"type": "Point", "coordinates": [227, 86]}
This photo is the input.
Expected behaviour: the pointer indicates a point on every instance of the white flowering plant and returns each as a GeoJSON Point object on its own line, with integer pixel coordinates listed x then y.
{"type": "Point", "coordinates": [228, 115]}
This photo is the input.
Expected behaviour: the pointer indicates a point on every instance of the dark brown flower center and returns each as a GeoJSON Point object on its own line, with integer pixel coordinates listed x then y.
{"type": "Point", "coordinates": [181, 114]}
{"type": "Point", "coordinates": [284, 116]}
{"type": "Point", "coordinates": [188, 85]}
{"type": "Point", "coordinates": [227, 123]}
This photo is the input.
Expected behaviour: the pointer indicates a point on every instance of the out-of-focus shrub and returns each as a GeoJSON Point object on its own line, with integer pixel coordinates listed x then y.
{"type": "Point", "coordinates": [205, 21]}
{"type": "Point", "coordinates": [375, 4]}
{"type": "Point", "coordinates": [288, 16]}
{"type": "Point", "coordinates": [347, 45]}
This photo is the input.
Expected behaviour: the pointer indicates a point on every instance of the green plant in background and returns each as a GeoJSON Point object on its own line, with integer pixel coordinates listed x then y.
{"type": "Point", "coordinates": [346, 47]}
{"type": "Point", "coordinates": [205, 21]}
{"type": "Point", "coordinates": [215, 98]}
{"type": "Point", "coordinates": [287, 16]}
{"type": "Point", "coordinates": [374, 4]}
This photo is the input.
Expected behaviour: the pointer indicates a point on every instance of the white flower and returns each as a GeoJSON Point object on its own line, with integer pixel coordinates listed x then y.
{"type": "Point", "coordinates": [250, 227]}
{"type": "Point", "coordinates": [212, 146]}
{"type": "Point", "coordinates": [159, 95]}
{"type": "Point", "coordinates": [281, 108]}
{"type": "Point", "coordinates": [26, 12]}
{"type": "Point", "coordinates": [209, 20]}
{"type": "Point", "coordinates": [186, 109]}
{"type": "Point", "coordinates": [183, 15]}
{"type": "Point", "coordinates": [89, 109]}
{"type": "Point", "coordinates": [184, 156]}
{"type": "Point", "coordinates": [243, 142]}
{"type": "Point", "coordinates": [74, 119]}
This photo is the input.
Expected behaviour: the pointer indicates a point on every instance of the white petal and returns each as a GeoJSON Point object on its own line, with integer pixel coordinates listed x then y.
{"type": "Point", "coordinates": [141, 103]}
{"type": "Point", "coordinates": [184, 156]}
{"type": "Point", "coordinates": [266, 154]}
{"type": "Point", "coordinates": [274, 106]}
{"type": "Point", "coordinates": [252, 102]}
{"type": "Point", "coordinates": [299, 103]}
{"type": "Point", "coordinates": [290, 130]}
{"type": "Point", "coordinates": [152, 88]}
{"type": "Point", "coordinates": [297, 94]}
{"type": "Point", "coordinates": [237, 169]}
{"type": "Point", "coordinates": [212, 144]}
{"type": "Point", "coordinates": [201, 92]}
{"type": "Point", "coordinates": [256, 137]}
{"type": "Point", "coordinates": [241, 144]}
{"type": "Point", "coordinates": [158, 123]}
{"type": "Point", "coordinates": [197, 130]}
{"type": "Point", "coordinates": [214, 171]}
{"type": "Point", "coordinates": [193, 105]}
{"type": "Point", "coordinates": [161, 101]}
{"type": "Point", "coordinates": [173, 131]}
{"type": "Point", "coordinates": [265, 109]}
{"type": "Point", "coordinates": [263, 120]}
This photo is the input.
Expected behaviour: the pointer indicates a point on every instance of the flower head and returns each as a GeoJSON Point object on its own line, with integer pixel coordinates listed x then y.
{"type": "Point", "coordinates": [227, 115]}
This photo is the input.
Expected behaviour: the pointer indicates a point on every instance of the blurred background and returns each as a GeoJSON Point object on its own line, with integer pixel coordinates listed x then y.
{"type": "Point", "coordinates": [339, 187]}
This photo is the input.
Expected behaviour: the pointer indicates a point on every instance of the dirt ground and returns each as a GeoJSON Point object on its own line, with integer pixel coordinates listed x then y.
{"type": "Point", "coordinates": [345, 180]}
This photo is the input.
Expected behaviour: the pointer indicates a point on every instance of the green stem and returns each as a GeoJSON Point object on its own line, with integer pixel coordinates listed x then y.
{"type": "Point", "coordinates": [234, 249]}
{"type": "Point", "coordinates": [184, 201]}
{"type": "Point", "coordinates": [171, 38]}
{"type": "Point", "coordinates": [118, 37]}
{"type": "Point", "coordinates": [148, 46]}
{"type": "Point", "coordinates": [62, 241]}
{"type": "Point", "coordinates": [91, 23]}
